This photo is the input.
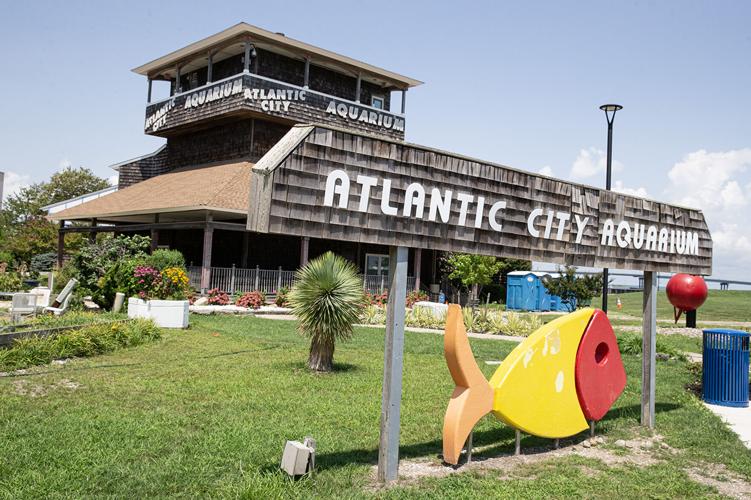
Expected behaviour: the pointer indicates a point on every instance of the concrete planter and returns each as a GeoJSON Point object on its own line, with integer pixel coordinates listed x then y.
{"type": "Point", "coordinates": [165, 313]}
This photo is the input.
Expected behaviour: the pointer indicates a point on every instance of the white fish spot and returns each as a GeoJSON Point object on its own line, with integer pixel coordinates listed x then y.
{"type": "Point", "coordinates": [545, 347]}
{"type": "Point", "coordinates": [559, 382]}
{"type": "Point", "coordinates": [555, 342]}
{"type": "Point", "coordinates": [528, 356]}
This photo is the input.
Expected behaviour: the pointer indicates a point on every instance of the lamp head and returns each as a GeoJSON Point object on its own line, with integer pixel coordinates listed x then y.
{"type": "Point", "coordinates": [610, 110]}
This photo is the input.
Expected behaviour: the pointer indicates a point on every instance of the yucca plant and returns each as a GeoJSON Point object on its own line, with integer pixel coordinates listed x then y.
{"type": "Point", "coordinates": [327, 299]}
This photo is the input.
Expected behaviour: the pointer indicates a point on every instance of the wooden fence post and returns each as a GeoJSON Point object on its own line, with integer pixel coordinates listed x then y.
{"type": "Point", "coordinates": [388, 450]}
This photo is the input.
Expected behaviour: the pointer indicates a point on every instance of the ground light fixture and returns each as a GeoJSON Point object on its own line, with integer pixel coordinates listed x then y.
{"type": "Point", "coordinates": [299, 458]}
{"type": "Point", "coordinates": [610, 111]}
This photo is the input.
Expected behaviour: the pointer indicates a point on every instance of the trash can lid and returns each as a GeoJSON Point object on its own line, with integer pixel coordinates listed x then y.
{"type": "Point", "coordinates": [726, 331]}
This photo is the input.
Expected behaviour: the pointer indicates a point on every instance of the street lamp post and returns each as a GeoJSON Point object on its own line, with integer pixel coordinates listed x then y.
{"type": "Point", "coordinates": [610, 110]}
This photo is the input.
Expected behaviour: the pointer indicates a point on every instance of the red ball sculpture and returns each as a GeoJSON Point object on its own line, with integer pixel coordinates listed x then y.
{"type": "Point", "coordinates": [686, 292]}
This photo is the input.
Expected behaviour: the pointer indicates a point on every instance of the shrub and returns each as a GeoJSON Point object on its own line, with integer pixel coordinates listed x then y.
{"type": "Point", "coordinates": [416, 296]}
{"type": "Point", "coordinates": [327, 299]}
{"type": "Point", "coordinates": [43, 262]}
{"type": "Point", "coordinates": [87, 341]}
{"type": "Point", "coordinates": [632, 344]}
{"type": "Point", "coordinates": [253, 300]}
{"type": "Point", "coordinates": [282, 297]}
{"type": "Point", "coordinates": [162, 259]}
{"type": "Point", "coordinates": [373, 315]}
{"type": "Point", "coordinates": [218, 297]}
{"type": "Point", "coordinates": [10, 282]}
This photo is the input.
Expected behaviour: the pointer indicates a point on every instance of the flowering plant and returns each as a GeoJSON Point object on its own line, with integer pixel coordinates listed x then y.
{"type": "Point", "coordinates": [253, 300]}
{"type": "Point", "coordinates": [378, 299]}
{"type": "Point", "coordinates": [416, 296]}
{"type": "Point", "coordinates": [147, 281]}
{"type": "Point", "coordinates": [218, 297]}
{"type": "Point", "coordinates": [174, 283]}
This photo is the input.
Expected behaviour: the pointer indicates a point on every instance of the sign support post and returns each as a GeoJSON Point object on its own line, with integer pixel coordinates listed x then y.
{"type": "Point", "coordinates": [388, 450]}
{"type": "Point", "coordinates": [649, 338]}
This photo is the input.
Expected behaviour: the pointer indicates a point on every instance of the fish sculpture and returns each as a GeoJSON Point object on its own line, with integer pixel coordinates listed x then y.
{"type": "Point", "coordinates": [566, 373]}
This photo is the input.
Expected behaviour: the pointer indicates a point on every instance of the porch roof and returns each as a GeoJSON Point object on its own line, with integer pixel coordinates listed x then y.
{"type": "Point", "coordinates": [219, 188]}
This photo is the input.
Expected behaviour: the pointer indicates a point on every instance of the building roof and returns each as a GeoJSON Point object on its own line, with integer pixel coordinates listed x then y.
{"type": "Point", "coordinates": [194, 56]}
{"type": "Point", "coordinates": [222, 188]}
{"type": "Point", "coordinates": [78, 200]}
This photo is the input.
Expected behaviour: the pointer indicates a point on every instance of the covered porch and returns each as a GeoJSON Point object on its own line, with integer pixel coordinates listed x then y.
{"type": "Point", "coordinates": [202, 212]}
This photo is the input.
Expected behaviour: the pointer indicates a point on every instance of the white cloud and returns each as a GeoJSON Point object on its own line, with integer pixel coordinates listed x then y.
{"type": "Point", "coordinates": [641, 191]}
{"type": "Point", "coordinates": [546, 170]}
{"type": "Point", "coordinates": [718, 184]}
{"type": "Point", "coordinates": [591, 162]}
{"type": "Point", "coordinates": [14, 182]}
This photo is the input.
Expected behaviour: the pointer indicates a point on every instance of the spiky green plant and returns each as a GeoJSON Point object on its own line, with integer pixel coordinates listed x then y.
{"type": "Point", "coordinates": [327, 299]}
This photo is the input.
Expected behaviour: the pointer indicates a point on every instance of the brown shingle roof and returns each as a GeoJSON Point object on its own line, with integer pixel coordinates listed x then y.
{"type": "Point", "coordinates": [218, 187]}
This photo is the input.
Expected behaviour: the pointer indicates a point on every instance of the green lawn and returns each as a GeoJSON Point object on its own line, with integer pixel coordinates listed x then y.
{"type": "Point", "coordinates": [206, 412]}
{"type": "Point", "coordinates": [721, 305]}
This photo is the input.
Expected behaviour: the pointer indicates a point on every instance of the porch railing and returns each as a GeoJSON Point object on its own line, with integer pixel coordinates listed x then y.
{"type": "Point", "coordinates": [240, 280]}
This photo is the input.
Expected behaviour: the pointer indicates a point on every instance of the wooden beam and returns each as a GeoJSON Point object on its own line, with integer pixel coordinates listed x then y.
{"type": "Point", "coordinates": [649, 337]}
{"type": "Point", "coordinates": [210, 68]}
{"type": "Point", "coordinates": [148, 96]}
{"type": "Point", "coordinates": [388, 450]}
{"type": "Point", "coordinates": [208, 241]}
{"type": "Point", "coordinates": [306, 78]}
{"type": "Point", "coordinates": [404, 100]}
{"type": "Point", "coordinates": [358, 88]}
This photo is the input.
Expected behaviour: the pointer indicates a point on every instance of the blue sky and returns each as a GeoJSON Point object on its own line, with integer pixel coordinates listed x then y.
{"type": "Point", "coordinates": [516, 83]}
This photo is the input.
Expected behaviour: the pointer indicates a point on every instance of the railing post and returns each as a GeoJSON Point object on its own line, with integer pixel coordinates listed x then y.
{"type": "Point", "coordinates": [232, 281]}
{"type": "Point", "coordinates": [279, 280]}
{"type": "Point", "coordinates": [381, 290]}
{"type": "Point", "coordinates": [257, 278]}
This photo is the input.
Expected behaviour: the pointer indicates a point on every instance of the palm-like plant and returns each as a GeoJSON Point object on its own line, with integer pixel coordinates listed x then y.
{"type": "Point", "coordinates": [327, 299]}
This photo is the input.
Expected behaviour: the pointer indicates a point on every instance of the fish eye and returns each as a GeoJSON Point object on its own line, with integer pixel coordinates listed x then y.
{"type": "Point", "coordinates": [601, 353]}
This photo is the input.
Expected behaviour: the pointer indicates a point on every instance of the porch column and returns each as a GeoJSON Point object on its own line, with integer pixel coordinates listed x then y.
{"type": "Point", "coordinates": [148, 96]}
{"type": "Point", "coordinates": [178, 88]}
{"type": "Point", "coordinates": [404, 100]}
{"type": "Point", "coordinates": [60, 244]}
{"type": "Point", "coordinates": [155, 234]}
{"type": "Point", "coordinates": [648, 364]}
{"type": "Point", "coordinates": [357, 89]}
{"type": "Point", "coordinates": [304, 246]}
{"type": "Point", "coordinates": [208, 238]}
{"type": "Point", "coordinates": [417, 266]}
{"type": "Point", "coordinates": [92, 233]}
{"type": "Point", "coordinates": [244, 259]}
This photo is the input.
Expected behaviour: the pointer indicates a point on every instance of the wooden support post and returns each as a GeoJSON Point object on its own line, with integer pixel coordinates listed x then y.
{"type": "Point", "coordinates": [178, 88]}
{"type": "Point", "coordinates": [417, 266]}
{"type": "Point", "coordinates": [404, 100]}
{"type": "Point", "coordinates": [358, 87]}
{"type": "Point", "coordinates": [279, 279]}
{"type": "Point", "coordinates": [208, 240]}
{"type": "Point", "coordinates": [155, 235]}
{"type": "Point", "coordinates": [518, 446]}
{"type": "Point", "coordinates": [92, 233]}
{"type": "Point", "coordinates": [306, 78]}
{"type": "Point", "coordinates": [246, 242]}
{"type": "Point", "coordinates": [148, 96]}
{"type": "Point", "coordinates": [388, 450]}
{"type": "Point", "coordinates": [210, 68]}
{"type": "Point", "coordinates": [246, 61]}
{"type": "Point", "coordinates": [649, 331]}
{"type": "Point", "coordinates": [304, 250]}
{"type": "Point", "coordinates": [60, 244]}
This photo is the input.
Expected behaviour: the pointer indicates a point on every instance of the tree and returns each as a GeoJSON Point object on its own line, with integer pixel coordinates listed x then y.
{"type": "Point", "coordinates": [327, 300]}
{"type": "Point", "coordinates": [574, 291]}
{"type": "Point", "coordinates": [24, 230]}
{"type": "Point", "coordinates": [474, 271]}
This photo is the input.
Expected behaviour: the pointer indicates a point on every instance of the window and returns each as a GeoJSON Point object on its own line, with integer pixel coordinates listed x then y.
{"type": "Point", "coordinates": [376, 264]}
{"type": "Point", "coordinates": [377, 102]}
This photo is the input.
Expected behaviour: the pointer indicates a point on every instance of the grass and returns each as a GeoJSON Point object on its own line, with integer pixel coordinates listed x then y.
{"type": "Point", "coordinates": [721, 305]}
{"type": "Point", "coordinates": [206, 412]}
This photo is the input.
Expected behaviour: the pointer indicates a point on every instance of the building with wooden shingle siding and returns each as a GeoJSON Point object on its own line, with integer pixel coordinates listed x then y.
{"type": "Point", "coordinates": [277, 151]}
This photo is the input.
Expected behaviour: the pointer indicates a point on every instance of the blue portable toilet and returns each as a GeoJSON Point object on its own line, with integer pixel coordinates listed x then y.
{"type": "Point", "coordinates": [525, 291]}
